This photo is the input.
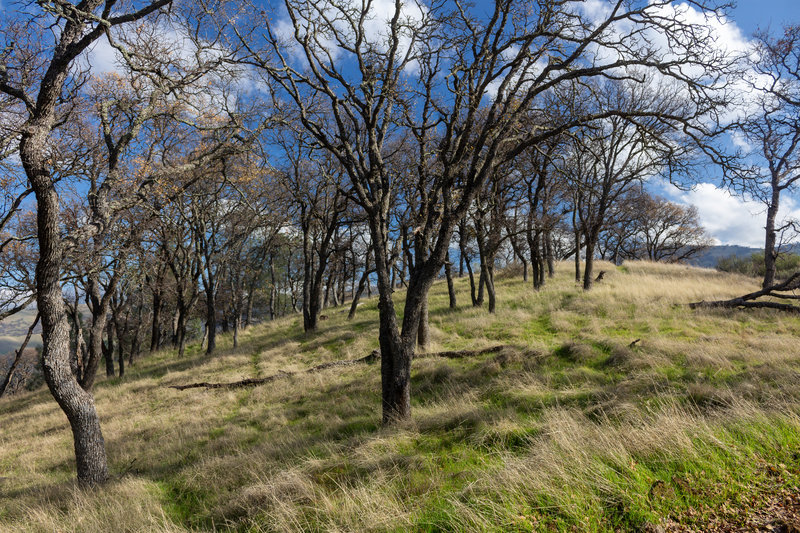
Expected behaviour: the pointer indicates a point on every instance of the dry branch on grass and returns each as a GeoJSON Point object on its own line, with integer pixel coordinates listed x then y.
{"type": "Point", "coordinates": [372, 357]}
{"type": "Point", "coordinates": [460, 354]}
{"type": "Point", "coordinates": [750, 301]}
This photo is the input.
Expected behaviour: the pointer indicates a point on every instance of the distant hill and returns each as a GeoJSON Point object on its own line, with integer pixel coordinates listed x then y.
{"type": "Point", "coordinates": [14, 328]}
{"type": "Point", "coordinates": [710, 257]}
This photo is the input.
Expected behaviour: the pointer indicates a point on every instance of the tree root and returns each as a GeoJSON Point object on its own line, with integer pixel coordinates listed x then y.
{"type": "Point", "coordinates": [372, 357]}
{"type": "Point", "coordinates": [750, 301]}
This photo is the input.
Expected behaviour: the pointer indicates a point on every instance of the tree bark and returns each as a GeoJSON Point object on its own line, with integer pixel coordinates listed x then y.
{"type": "Point", "coordinates": [211, 318]}
{"type": "Point", "coordinates": [448, 272]}
{"type": "Point", "coordinates": [588, 269]}
{"type": "Point", "coordinates": [108, 350]}
{"type": "Point", "coordinates": [472, 289]}
{"type": "Point", "coordinates": [490, 288]}
{"type": "Point", "coordinates": [155, 328]}
{"type": "Point", "coordinates": [424, 329]}
{"type": "Point", "coordinates": [77, 404]}
{"type": "Point", "coordinates": [770, 253]}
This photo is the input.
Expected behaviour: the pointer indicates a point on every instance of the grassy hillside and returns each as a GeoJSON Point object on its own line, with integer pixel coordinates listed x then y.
{"type": "Point", "coordinates": [567, 428]}
{"type": "Point", "coordinates": [13, 330]}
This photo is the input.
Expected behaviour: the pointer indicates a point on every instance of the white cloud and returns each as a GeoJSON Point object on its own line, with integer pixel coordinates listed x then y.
{"type": "Point", "coordinates": [728, 218]}
{"type": "Point", "coordinates": [102, 58]}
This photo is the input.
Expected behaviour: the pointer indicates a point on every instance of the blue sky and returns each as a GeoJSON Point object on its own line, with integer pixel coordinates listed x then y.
{"type": "Point", "coordinates": [733, 220]}
{"type": "Point", "coordinates": [730, 220]}
{"type": "Point", "coordinates": [751, 14]}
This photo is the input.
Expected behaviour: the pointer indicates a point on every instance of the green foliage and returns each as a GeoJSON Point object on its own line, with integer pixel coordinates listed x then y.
{"type": "Point", "coordinates": [753, 266]}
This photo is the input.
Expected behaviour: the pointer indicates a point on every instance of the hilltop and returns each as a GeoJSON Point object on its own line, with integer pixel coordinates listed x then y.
{"type": "Point", "coordinates": [616, 409]}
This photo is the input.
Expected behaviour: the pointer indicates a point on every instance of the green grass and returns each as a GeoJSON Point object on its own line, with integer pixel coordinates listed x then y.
{"type": "Point", "coordinates": [568, 428]}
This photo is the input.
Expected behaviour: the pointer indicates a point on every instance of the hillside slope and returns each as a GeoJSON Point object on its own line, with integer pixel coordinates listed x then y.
{"type": "Point", "coordinates": [566, 427]}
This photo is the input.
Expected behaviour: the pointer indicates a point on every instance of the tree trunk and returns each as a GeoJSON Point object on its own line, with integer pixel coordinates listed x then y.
{"type": "Point", "coordinates": [122, 333]}
{"type": "Point", "coordinates": [176, 317]}
{"type": "Point", "coordinates": [490, 287]}
{"type": "Point", "coordinates": [314, 304]}
{"type": "Point", "coordinates": [481, 238]}
{"type": "Point", "coordinates": [534, 244]}
{"type": "Point", "coordinates": [448, 272]}
{"type": "Point", "coordinates": [770, 253]}
{"type": "Point", "coordinates": [182, 342]}
{"type": "Point", "coordinates": [77, 404]}
{"type": "Point", "coordinates": [121, 358]}
{"type": "Point", "coordinates": [542, 258]}
{"type": "Point", "coordinates": [472, 291]}
{"type": "Point", "coordinates": [211, 319]}
{"type": "Point", "coordinates": [333, 282]}
{"type": "Point", "coordinates": [589, 260]}
{"type": "Point", "coordinates": [396, 355]}
{"type": "Point", "coordinates": [155, 330]}
{"type": "Point", "coordinates": [396, 350]}
{"type": "Point", "coordinates": [577, 256]}
{"type": "Point", "coordinates": [424, 329]}
{"type": "Point", "coordinates": [108, 350]}
{"type": "Point", "coordinates": [481, 285]}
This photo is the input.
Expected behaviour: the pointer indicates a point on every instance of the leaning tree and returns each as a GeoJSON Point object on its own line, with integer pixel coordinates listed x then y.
{"type": "Point", "coordinates": [45, 70]}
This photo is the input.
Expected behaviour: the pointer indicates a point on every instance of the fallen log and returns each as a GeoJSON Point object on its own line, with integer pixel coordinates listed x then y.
{"type": "Point", "coordinates": [750, 301]}
{"type": "Point", "coordinates": [375, 355]}
{"type": "Point", "coordinates": [372, 357]}
{"type": "Point", "coordinates": [460, 354]}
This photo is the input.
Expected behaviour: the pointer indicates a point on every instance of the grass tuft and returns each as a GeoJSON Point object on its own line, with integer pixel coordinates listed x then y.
{"type": "Point", "coordinates": [573, 426]}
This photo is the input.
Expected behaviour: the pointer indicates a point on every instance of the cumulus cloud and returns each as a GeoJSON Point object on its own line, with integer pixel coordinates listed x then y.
{"type": "Point", "coordinates": [731, 219]}
{"type": "Point", "coordinates": [102, 58]}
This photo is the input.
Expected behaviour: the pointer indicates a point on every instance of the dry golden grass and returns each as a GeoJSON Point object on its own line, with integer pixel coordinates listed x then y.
{"type": "Point", "coordinates": [569, 428]}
